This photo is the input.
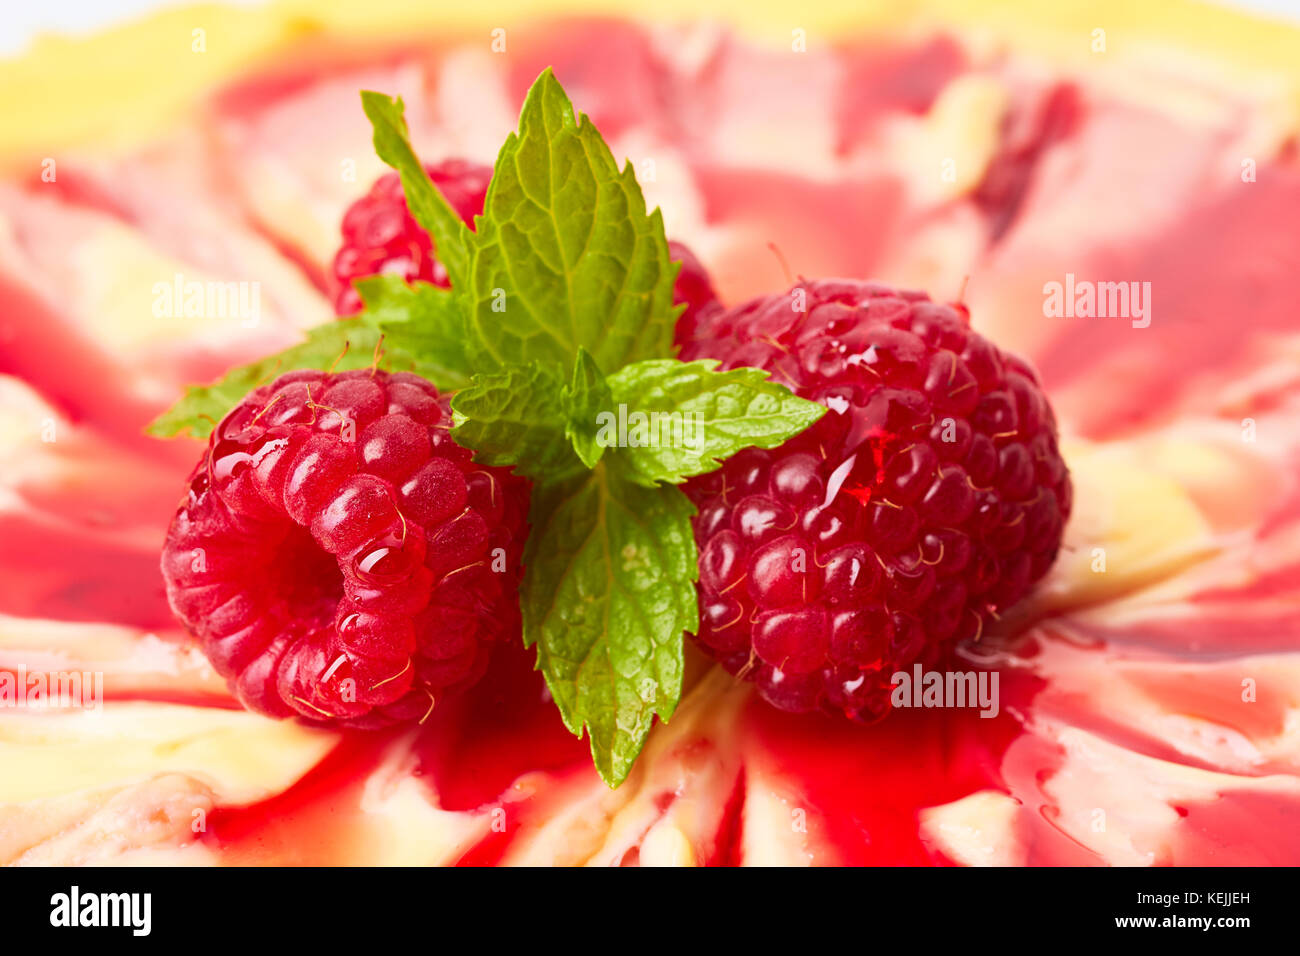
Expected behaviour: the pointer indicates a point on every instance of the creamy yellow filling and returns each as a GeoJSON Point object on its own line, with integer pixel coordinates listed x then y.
{"type": "Point", "coordinates": [128, 83]}
{"type": "Point", "coordinates": [240, 756]}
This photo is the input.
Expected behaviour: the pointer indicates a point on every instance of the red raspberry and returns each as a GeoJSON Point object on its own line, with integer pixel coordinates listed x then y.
{"type": "Point", "coordinates": [381, 235]}
{"type": "Point", "coordinates": [930, 498]}
{"type": "Point", "coordinates": [694, 289]}
{"type": "Point", "coordinates": [339, 557]}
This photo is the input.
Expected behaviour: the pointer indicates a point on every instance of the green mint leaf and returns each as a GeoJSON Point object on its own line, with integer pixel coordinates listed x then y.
{"type": "Point", "coordinates": [516, 417]}
{"type": "Point", "coordinates": [585, 398]}
{"type": "Point", "coordinates": [565, 254]}
{"type": "Point", "coordinates": [607, 594]}
{"type": "Point", "coordinates": [341, 345]}
{"type": "Point", "coordinates": [421, 320]}
{"type": "Point", "coordinates": [671, 420]}
{"type": "Point", "coordinates": [451, 237]}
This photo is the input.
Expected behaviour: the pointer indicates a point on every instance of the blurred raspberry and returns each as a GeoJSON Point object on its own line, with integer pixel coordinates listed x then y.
{"type": "Point", "coordinates": [380, 234]}
{"type": "Point", "coordinates": [694, 290]}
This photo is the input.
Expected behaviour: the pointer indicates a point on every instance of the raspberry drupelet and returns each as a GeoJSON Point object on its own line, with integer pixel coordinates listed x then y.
{"type": "Point", "coordinates": [338, 557]}
{"type": "Point", "coordinates": [928, 499]}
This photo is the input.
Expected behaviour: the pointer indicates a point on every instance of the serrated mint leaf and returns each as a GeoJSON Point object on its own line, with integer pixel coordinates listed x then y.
{"type": "Point", "coordinates": [608, 592]}
{"type": "Point", "coordinates": [341, 345]}
{"type": "Point", "coordinates": [565, 246]}
{"type": "Point", "coordinates": [585, 398]}
{"type": "Point", "coordinates": [516, 417]}
{"type": "Point", "coordinates": [393, 145]}
{"type": "Point", "coordinates": [421, 320]}
{"type": "Point", "coordinates": [671, 420]}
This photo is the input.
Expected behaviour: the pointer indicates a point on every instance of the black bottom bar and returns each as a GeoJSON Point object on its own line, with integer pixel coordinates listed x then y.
{"type": "Point", "coordinates": [309, 907]}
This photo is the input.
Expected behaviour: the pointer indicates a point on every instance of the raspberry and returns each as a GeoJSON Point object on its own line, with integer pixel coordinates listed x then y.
{"type": "Point", "coordinates": [930, 498]}
{"type": "Point", "coordinates": [381, 235]}
{"type": "Point", "coordinates": [339, 557]}
{"type": "Point", "coordinates": [693, 289]}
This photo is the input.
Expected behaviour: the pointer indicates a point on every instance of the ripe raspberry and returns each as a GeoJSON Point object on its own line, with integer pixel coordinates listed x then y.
{"type": "Point", "coordinates": [339, 557]}
{"type": "Point", "coordinates": [381, 235]}
{"type": "Point", "coordinates": [694, 289]}
{"type": "Point", "coordinates": [927, 500]}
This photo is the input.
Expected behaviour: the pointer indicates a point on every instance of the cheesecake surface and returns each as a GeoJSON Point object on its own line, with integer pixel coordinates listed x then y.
{"type": "Point", "coordinates": [1149, 706]}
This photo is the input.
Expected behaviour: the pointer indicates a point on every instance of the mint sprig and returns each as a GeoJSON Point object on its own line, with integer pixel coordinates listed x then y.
{"type": "Point", "coordinates": [610, 564]}
{"type": "Point", "coordinates": [556, 335]}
